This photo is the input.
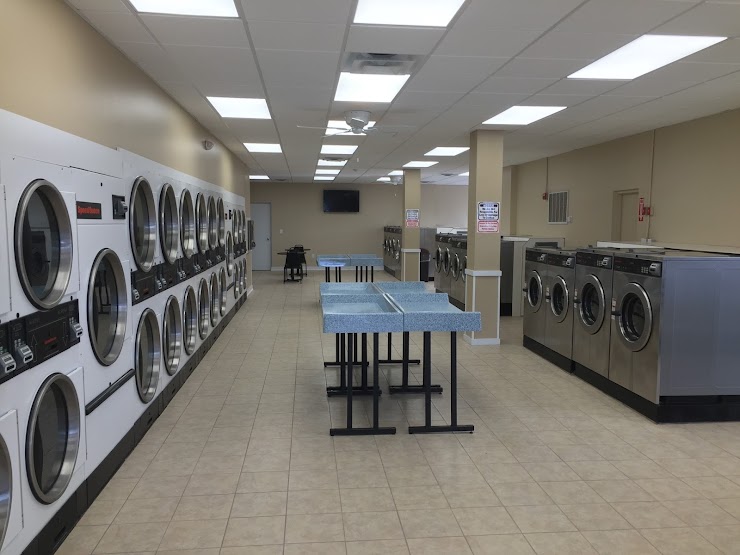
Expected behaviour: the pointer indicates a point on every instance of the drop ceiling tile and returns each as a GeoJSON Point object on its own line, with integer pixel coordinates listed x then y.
{"type": "Point", "coordinates": [651, 86]}
{"type": "Point", "coordinates": [517, 14]}
{"type": "Point", "coordinates": [301, 98]}
{"type": "Point", "coordinates": [494, 101]}
{"type": "Point", "coordinates": [514, 85]}
{"type": "Point", "coordinates": [392, 40]}
{"type": "Point", "coordinates": [290, 68]}
{"type": "Point", "coordinates": [100, 5]}
{"type": "Point", "coordinates": [623, 16]}
{"type": "Point", "coordinates": [475, 41]}
{"type": "Point", "coordinates": [581, 86]}
{"type": "Point", "coordinates": [531, 67]}
{"type": "Point", "coordinates": [724, 52]}
{"type": "Point", "coordinates": [197, 31]}
{"type": "Point", "coordinates": [282, 35]}
{"type": "Point", "coordinates": [693, 71]}
{"type": "Point", "coordinates": [119, 27]}
{"type": "Point", "coordinates": [203, 65]}
{"type": "Point", "coordinates": [250, 89]}
{"type": "Point", "coordinates": [576, 46]}
{"type": "Point", "coordinates": [453, 74]}
{"type": "Point", "coordinates": [253, 131]}
{"type": "Point", "coordinates": [706, 19]}
{"type": "Point", "coordinates": [556, 99]}
{"type": "Point", "coordinates": [315, 11]}
{"type": "Point", "coordinates": [432, 101]}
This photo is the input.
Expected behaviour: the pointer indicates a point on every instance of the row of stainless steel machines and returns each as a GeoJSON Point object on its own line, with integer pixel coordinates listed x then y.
{"type": "Point", "coordinates": [655, 329]}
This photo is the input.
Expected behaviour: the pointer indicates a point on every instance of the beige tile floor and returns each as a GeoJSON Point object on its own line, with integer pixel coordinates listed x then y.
{"type": "Point", "coordinates": [241, 462]}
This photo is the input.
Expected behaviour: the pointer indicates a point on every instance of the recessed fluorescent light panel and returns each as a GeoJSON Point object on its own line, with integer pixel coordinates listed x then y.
{"type": "Point", "coordinates": [417, 13]}
{"type": "Point", "coordinates": [644, 55]}
{"type": "Point", "coordinates": [258, 177]}
{"type": "Point", "coordinates": [466, 174]}
{"type": "Point", "coordinates": [322, 178]}
{"type": "Point", "coordinates": [447, 151]}
{"type": "Point", "coordinates": [419, 164]}
{"type": "Point", "coordinates": [343, 127]}
{"type": "Point", "coordinates": [269, 148]}
{"type": "Point", "coordinates": [523, 115]}
{"type": "Point", "coordinates": [245, 108]}
{"type": "Point", "coordinates": [320, 171]}
{"type": "Point", "coordinates": [385, 179]}
{"type": "Point", "coordinates": [203, 8]}
{"type": "Point", "coordinates": [362, 87]}
{"type": "Point", "coordinates": [396, 172]}
{"type": "Point", "coordinates": [332, 162]}
{"type": "Point", "coordinates": [338, 149]}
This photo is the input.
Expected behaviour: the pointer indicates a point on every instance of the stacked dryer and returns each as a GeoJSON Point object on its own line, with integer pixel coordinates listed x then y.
{"type": "Point", "coordinates": [42, 427]}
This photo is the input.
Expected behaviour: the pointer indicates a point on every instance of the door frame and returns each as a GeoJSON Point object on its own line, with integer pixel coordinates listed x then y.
{"type": "Point", "coordinates": [617, 211]}
{"type": "Point", "coordinates": [269, 204]}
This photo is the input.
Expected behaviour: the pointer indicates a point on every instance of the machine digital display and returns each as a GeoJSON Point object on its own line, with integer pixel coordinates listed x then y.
{"type": "Point", "coordinates": [341, 201]}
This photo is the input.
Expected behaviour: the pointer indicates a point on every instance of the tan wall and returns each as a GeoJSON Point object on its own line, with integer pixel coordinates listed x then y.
{"type": "Point", "coordinates": [297, 209]}
{"type": "Point", "coordinates": [58, 70]}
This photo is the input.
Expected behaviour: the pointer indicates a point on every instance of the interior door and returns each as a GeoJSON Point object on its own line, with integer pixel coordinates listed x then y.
{"type": "Point", "coordinates": [262, 253]}
{"type": "Point", "coordinates": [628, 225]}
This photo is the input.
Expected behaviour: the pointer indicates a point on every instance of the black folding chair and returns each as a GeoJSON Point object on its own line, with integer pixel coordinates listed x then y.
{"type": "Point", "coordinates": [294, 264]}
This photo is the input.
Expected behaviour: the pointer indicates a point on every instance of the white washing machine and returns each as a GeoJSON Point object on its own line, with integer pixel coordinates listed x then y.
{"type": "Point", "coordinates": [52, 440]}
{"type": "Point", "coordinates": [11, 504]}
{"type": "Point", "coordinates": [43, 316]}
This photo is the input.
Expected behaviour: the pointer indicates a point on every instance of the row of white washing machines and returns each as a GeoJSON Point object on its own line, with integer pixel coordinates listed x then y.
{"type": "Point", "coordinates": [111, 291]}
{"type": "Point", "coordinates": [656, 329]}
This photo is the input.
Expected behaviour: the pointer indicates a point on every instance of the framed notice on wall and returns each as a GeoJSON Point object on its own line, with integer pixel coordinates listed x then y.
{"type": "Point", "coordinates": [412, 217]}
{"type": "Point", "coordinates": [488, 217]}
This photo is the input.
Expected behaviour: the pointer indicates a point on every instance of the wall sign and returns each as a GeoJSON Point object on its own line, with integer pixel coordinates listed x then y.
{"type": "Point", "coordinates": [488, 217]}
{"type": "Point", "coordinates": [412, 217]}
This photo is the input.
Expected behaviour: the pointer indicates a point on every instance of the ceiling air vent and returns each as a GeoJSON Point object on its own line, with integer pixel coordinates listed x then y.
{"type": "Point", "coordinates": [374, 63]}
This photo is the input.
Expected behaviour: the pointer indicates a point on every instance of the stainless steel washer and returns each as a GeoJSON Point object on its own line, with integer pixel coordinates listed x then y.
{"type": "Point", "coordinates": [535, 276]}
{"type": "Point", "coordinates": [591, 302]}
{"type": "Point", "coordinates": [559, 292]}
{"type": "Point", "coordinates": [458, 253]}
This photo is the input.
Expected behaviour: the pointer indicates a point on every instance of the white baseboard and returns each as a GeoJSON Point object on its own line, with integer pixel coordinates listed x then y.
{"type": "Point", "coordinates": [250, 291]}
{"type": "Point", "coordinates": [482, 341]}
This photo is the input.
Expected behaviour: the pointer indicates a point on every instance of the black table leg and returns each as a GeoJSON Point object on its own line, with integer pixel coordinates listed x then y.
{"type": "Point", "coordinates": [405, 387]}
{"type": "Point", "coordinates": [454, 426]}
{"type": "Point", "coordinates": [356, 274]}
{"type": "Point", "coordinates": [327, 274]}
{"type": "Point", "coordinates": [390, 360]}
{"type": "Point", "coordinates": [363, 388]}
{"type": "Point", "coordinates": [375, 429]}
{"type": "Point", "coordinates": [372, 273]}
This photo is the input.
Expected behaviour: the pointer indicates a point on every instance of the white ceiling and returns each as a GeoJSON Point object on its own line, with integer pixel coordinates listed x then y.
{"type": "Point", "coordinates": [495, 53]}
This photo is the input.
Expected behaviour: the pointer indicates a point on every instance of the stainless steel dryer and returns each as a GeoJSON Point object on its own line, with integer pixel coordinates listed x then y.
{"type": "Point", "coordinates": [535, 276]}
{"type": "Point", "coordinates": [443, 256]}
{"type": "Point", "coordinates": [561, 284]}
{"type": "Point", "coordinates": [458, 252]}
{"type": "Point", "coordinates": [591, 302]}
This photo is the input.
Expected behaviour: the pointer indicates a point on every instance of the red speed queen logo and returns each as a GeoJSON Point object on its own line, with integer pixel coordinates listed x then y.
{"type": "Point", "coordinates": [89, 211]}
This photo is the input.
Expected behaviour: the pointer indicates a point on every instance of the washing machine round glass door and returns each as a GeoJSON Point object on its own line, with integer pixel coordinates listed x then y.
{"type": "Point", "coordinates": [143, 222]}
{"type": "Point", "coordinates": [107, 307]}
{"type": "Point", "coordinates": [455, 269]}
{"type": "Point", "coordinates": [447, 262]}
{"type": "Point", "coordinates": [169, 223]}
{"type": "Point", "coordinates": [221, 222]}
{"type": "Point", "coordinates": [148, 355]}
{"type": "Point", "coordinates": [464, 267]}
{"type": "Point", "coordinates": [53, 438]}
{"type": "Point", "coordinates": [244, 225]}
{"type": "Point", "coordinates": [212, 223]}
{"type": "Point", "coordinates": [237, 280]}
{"type": "Point", "coordinates": [6, 489]}
{"type": "Point", "coordinates": [204, 308]}
{"type": "Point", "coordinates": [223, 287]}
{"type": "Point", "coordinates": [592, 305]}
{"type": "Point", "coordinates": [172, 335]}
{"type": "Point", "coordinates": [559, 299]}
{"type": "Point", "coordinates": [635, 317]}
{"type": "Point", "coordinates": [43, 244]}
{"type": "Point", "coordinates": [438, 260]}
{"type": "Point", "coordinates": [243, 276]}
{"type": "Point", "coordinates": [215, 299]}
{"type": "Point", "coordinates": [229, 253]}
{"type": "Point", "coordinates": [397, 249]}
{"type": "Point", "coordinates": [187, 224]}
{"type": "Point", "coordinates": [201, 218]}
{"type": "Point", "coordinates": [189, 320]}
{"type": "Point", "coordinates": [534, 290]}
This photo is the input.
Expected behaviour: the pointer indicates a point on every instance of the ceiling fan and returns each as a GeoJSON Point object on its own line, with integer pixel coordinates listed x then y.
{"type": "Point", "coordinates": [357, 122]}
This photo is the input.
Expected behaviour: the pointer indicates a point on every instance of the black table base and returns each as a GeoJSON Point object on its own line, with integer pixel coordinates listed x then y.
{"type": "Point", "coordinates": [359, 277]}
{"type": "Point", "coordinates": [350, 430]}
{"type": "Point", "coordinates": [427, 428]}
{"type": "Point", "coordinates": [363, 389]}
{"type": "Point", "coordinates": [337, 274]}
{"type": "Point", "coordinates": [405, 388]}
{"type": "Point", "coordinates": [391, 360]}
{"type": "Point", "coordinates": [336, 361]}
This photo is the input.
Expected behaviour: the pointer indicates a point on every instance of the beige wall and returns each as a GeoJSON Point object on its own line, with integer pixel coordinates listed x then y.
{"type": "Point", "coordinates": [691, 182]}
{"type": "Point", "coordinates": [58, 70]}
{"type": "Point", "coordinates": [297, 209]}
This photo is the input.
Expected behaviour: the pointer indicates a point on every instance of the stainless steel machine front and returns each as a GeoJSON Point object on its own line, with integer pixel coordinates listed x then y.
{"type": "Point", "coordinates": [534, 295]}
{"type": "Point", "coordinates": [559, 288]}
{"type": "Point", "coordinates": [442, 264]}
{"type": "Point", "coordinates": [458, 264]}
{"type": "Point", "coordinates": [591, 301]}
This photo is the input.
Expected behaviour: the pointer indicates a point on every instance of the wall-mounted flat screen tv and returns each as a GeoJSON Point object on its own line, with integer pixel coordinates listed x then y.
{"type": "Point", "coordinates": [341, 201]}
